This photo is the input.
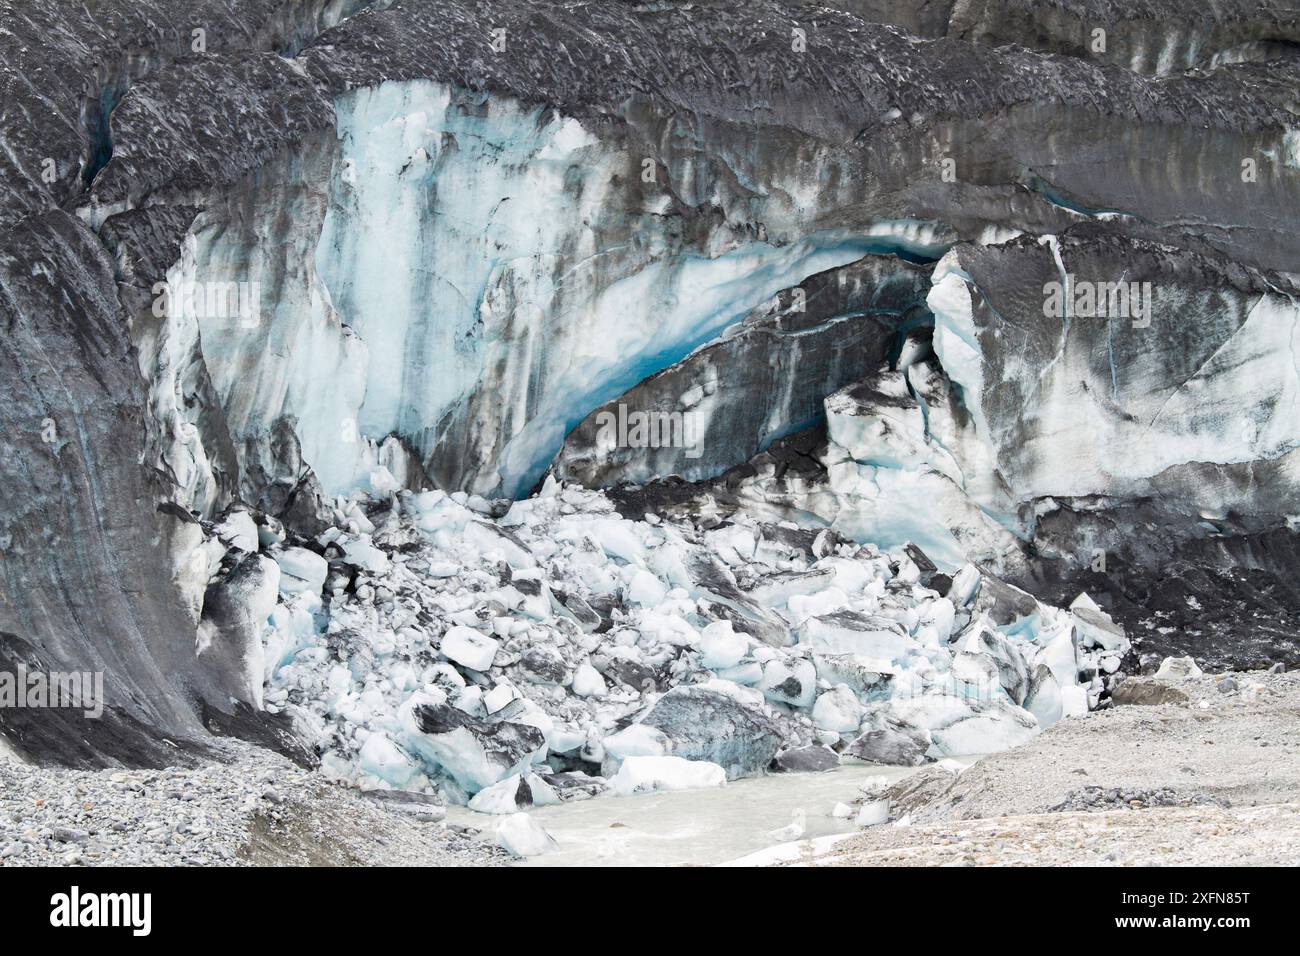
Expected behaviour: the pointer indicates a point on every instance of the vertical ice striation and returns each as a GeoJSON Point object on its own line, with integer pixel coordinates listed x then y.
{"type": "Point", "coordinates": [956, 340]}
{"type": "Point", "coordinates": [509, 270]}
{"type": "Point", "coordinates": [474, 276]}
{"type": "Point", "coordinates": [289, 374]}
{"type": "Point", "coordinates": [1147, 368]}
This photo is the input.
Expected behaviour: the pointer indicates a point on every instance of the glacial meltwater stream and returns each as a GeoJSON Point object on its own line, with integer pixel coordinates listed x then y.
{"type": "Point", "coordinates": [695, 827]}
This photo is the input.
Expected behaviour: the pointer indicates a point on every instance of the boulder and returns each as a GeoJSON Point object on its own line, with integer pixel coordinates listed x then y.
{"type": "Point", "coordinates": [811, 759]}
{"type": "Point", "coordinates": [475, 753]}
{"type": "Point", "coordinates": [705, 724]}
{"type": "Point", "coordinates": [1146, 693]}
{"type": "Point", "coordinates": [890, 742]}
{"type": "Point", "coordinates": [1178, 668]}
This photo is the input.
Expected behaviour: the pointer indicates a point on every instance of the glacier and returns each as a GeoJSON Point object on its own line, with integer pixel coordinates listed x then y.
{"type": "Point", "coordinates": [445, 305]}
{"type": "Point", "coordinates": [458, 257]}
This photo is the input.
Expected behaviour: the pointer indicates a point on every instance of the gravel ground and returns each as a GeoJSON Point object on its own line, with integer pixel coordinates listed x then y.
{"type": "Point", "coordinates": [1241, 748]}
{"type": "Point", "coordinates": [258, 809]}
{"type": "Point", "coordinates": [1195, 836]}
{"type": "Point", "coordinates": [1211, 778]}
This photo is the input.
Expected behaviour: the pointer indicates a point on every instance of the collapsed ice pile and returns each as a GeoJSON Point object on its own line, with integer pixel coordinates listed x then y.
{"type": "Point", "coordinates": [516, 654]}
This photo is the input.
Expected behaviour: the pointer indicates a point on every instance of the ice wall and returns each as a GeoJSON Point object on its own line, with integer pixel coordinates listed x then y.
{"type": "Point", "coordinates": [474, 276]}
{"type": "Point", "coordinates": [509, 269]}
{"type": "Point", "coordinates": [1094, 404]}
{"type": "Point", "coordinates": [1185, 400]}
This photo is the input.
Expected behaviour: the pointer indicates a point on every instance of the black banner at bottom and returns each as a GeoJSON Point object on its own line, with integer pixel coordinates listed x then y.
{"type": "Point", "coordinates": [229, 905]}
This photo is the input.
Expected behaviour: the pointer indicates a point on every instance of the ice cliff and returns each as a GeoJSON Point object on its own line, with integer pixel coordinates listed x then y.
{"type": "Point", "coordinates": [269, 267]}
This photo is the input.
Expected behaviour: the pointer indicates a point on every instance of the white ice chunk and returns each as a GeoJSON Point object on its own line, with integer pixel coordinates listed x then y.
{"type": "Point", "coordinates": [301, 571]}
{"type": "Point", "coordinates": [961, 727]}
{"type": "Point", "coordinates": [964, 585]}
{"type": "Point", "coordinates": [637, 740]}
{"type": "Point", "coordinates": [523, 836]}
{"type": "Point", "coordinates": [720, 647]}
{"type": "Point", "coordinates": [239, 531]}
{"type": "Point", "coordinates": [499, 697]}
{"type": "Point", "coordinates": [864, 638]}
{"type": "Point", "coordinates": [563, 740]}
{"type": "Point", "coordinates": [469, 648]}
{"type": "Point", "coordinates": [940, 614]}
{"type": "Point", "coordinates": [587, 682]}
{"type": "Point", "coordinates": [618, 539]}
{"type": "Point", "coordinates": [1074, 701]}
{"type": "Point", "coordinates": [498, 798]}
{"type": "Point", "coordinates": [792, 682]}
{"type": "Point", "coordinates": [873, 813]}
{"type": "Point", "coordinates": [643, 774]}
{"type": "Point", "coordinates": [646, 589]}
{"type": "Point", "coordinates": [382, 758]}
{"type": "Point", "coordinates": [815, 605]}
{"type": "Point", "coordinates": [358, 551]}
{"type": "Point", "coordinates": [837, 710]}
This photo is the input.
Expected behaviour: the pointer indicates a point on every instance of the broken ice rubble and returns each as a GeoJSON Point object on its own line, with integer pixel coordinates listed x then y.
{"type": "Point", "coordinates": [518, 654]}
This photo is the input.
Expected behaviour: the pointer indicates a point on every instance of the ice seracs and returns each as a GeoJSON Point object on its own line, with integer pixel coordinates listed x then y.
{"type": "Point", "coordinates": [561, 650]}
{"type": "Point", "coordinates": [720, 722]}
